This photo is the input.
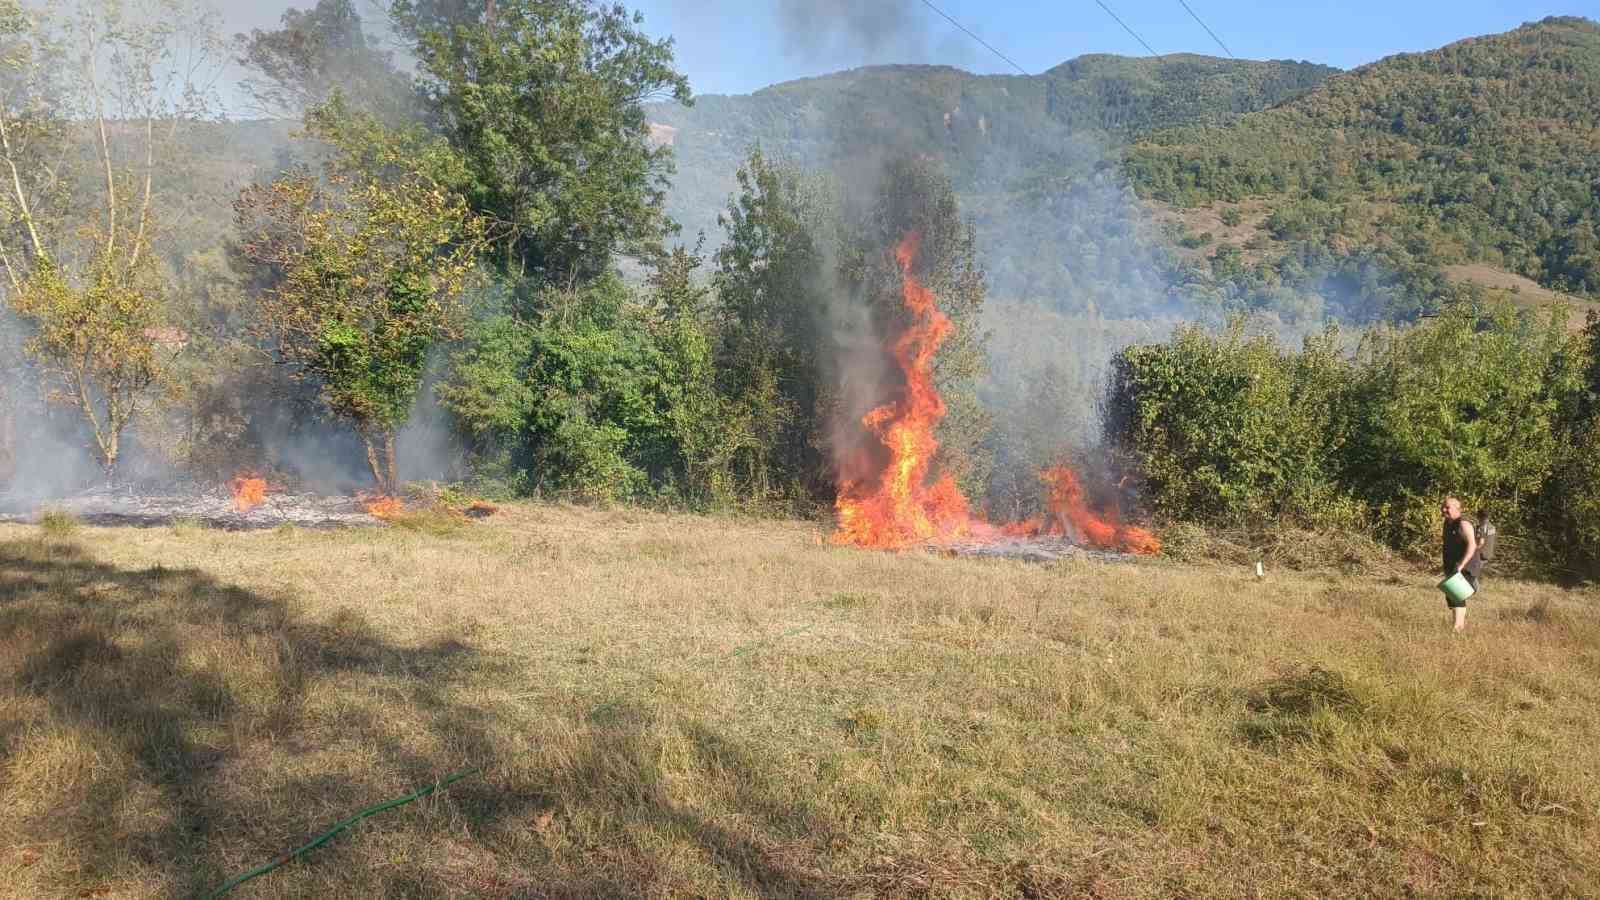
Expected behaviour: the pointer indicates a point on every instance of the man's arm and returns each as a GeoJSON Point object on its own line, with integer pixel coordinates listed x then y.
{"type": "Point", "coordinates": [1471, 535]}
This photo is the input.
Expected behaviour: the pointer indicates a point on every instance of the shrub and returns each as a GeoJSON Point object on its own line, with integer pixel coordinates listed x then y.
{"type": "Point", "coordinates": [58, 523]}
{"type": "Point", "coordinates": [1488, 404]}
{"type": "Point", "coordinates": [1228, 429]}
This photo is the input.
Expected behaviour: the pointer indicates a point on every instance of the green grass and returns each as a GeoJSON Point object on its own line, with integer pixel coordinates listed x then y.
{"type": "Point", "coordinates": [668, 705]}
{"type": "Point", "coordinates": [58, 523]}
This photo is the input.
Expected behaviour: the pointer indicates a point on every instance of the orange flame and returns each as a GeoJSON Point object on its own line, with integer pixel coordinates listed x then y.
{"type": "Point", "coordinates": [249, 491]}
{"type": "Point", "coordinates": [1068, 506]}
{"type": "Point", "coordinates": [897, 507]}
{"type": "Point", "coordinates": [902, 509]}
{"type": "Point", "coordinates": [385, 507]}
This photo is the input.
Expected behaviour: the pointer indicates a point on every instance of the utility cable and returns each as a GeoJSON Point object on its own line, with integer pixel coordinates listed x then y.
{"type": "Point", "coordinates": [1207, 28]}
{"type": "Point", "coordinates": [969, 34]}
{"type": "Point", "coordinates": [1126, 28]}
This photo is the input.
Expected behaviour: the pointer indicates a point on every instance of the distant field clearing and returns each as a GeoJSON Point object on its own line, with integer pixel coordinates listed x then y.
{"type": "Point", "coordinates": [1524, 290]}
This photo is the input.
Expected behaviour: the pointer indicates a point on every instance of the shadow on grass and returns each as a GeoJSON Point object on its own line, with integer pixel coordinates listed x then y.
{"type": "Point", "coordinates": [168, 698]}
{"type": "Point", "coordinates": [173, 730]}
{"type": "Point", "coordinates": [168, 730]}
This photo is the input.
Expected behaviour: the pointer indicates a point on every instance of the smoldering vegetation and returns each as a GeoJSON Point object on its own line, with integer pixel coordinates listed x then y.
{"type": "Point", "coordinates": [543, 329]}
{"type": "Point", "coordinates": [1072, 269]}
{"type": "Point", "coordinates": [1075, 266]}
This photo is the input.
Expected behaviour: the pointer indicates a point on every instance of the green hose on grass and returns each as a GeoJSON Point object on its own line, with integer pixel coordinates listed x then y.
{"type": "Point", "coordinates": [328, 835]}
{"type": "Point", "coordinates": [436, 786]}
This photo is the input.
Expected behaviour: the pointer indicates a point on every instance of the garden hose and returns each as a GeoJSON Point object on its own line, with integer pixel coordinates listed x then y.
{"type": "Point", "coordinates": [328, 835]}
{"type": "Point", "coordinates": [430, 788]}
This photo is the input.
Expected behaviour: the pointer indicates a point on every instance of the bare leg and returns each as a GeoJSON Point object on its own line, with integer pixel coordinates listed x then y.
{"type": "Point", "coordinates": [1459, 616]}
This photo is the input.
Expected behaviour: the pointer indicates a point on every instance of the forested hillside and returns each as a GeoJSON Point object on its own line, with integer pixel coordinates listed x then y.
{"type": "Point", "coordinates": [1486, 151]}
{"type": "Point", "coordinates": [1016, 147]}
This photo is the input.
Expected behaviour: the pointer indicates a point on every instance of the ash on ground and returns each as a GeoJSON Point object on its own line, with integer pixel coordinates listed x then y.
{"type": "Point", "coordinates": [143, 506]}
{"type": "Point", "coordinates": [1044, 548]}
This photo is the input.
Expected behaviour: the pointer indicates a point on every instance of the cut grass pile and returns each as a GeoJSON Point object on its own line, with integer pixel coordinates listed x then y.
{"type": "Point", "coordinates": [683, 706]}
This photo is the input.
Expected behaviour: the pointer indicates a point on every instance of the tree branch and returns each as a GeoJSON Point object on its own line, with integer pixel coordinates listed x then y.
{"type": "Point", "coordinates": [105, 145]}
{"type": "Point", "coordinates": [16, 184]}
{"type": "Point", "coordinates": [149, 174]}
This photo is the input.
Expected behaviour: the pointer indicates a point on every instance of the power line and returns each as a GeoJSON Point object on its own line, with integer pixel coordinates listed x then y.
{"type": "Point", "coordinates": [1208, 29]}
{"type": "Point", "coordinates": [974, 37]}
{"type": "Point", "coordinates": [1124, 27]}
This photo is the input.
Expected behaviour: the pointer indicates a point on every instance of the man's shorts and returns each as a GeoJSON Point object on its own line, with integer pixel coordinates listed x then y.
{"type": "Point", "coordinates": [1452, 602]}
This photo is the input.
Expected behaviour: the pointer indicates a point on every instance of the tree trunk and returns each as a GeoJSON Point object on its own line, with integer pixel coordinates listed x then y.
{"type": "Point", "coordinates": [389, 460]}
{"type": "Point", "coordinates": [109, 452]}
{"type": "Point", "coordinates": [374, 464]}
{"type": "Point", "coordinates": [381, 460]}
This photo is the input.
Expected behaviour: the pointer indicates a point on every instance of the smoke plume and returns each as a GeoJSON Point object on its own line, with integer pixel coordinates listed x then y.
{"type": "Point", "coordinates": [834, 29]}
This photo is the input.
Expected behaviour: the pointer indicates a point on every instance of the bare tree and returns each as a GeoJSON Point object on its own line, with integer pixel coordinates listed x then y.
{"type": "Point", "coordinates": [93, 98]}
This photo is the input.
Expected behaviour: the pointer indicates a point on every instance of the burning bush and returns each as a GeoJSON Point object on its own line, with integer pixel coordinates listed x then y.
{"type": "Point", "coordinates": [385, 507]}
{"type": "Point", "coordinates": [249, 491]}
{"type": "Point", "coordinates": [897, 506]}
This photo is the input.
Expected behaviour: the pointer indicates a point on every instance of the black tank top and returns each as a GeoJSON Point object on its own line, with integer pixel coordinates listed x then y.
{"type": "Point", "coordinates": [1455, 544]}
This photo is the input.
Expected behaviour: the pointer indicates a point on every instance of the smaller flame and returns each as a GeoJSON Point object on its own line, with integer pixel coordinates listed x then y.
{"type": "Point", "coordinates": [385, 507]}
{"type": "Point", "coordinates": [1067, 503]}
{"type": "Point", "coordinates": [249, 491]}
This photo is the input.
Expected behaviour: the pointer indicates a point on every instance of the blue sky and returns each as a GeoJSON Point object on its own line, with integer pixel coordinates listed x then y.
{"type": "Point", "coordinates": [726, 46]}
{"type": "Point", "coordinates": [737, 46]}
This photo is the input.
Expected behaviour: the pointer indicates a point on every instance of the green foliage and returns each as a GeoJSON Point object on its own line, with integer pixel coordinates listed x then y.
{"type": "Point", "coordinates": [1467, 405]}
{"type": "Point", "coordinates": [599, 396]}
{"type": "Point", "coordinates": [1468, 152]}
{"type": "Point", "coordinates": [1228, 429]}
{"type": "Point", "coordinates": [96, 341]}
{"type": "Point", "coordinates": [366, 275]}
{"type": "Point", "coordinates": [710, 429]}
{"type": "Point", "coordinates": [1488, 406]}
{"type": "Point", "coordinates": [774, 291]}
{"type": "Point", "coordinates": [1569, 504]}
{"type": "Point", "coordinates": [541, 99]}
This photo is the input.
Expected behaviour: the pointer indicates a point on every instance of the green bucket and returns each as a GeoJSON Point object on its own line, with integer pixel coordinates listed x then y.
{"type": "Point", "coordinates": [1457, 587]}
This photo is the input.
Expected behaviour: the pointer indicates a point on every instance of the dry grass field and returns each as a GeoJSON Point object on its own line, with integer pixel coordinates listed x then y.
{"type": "Point", "coordinates": [673, 706]}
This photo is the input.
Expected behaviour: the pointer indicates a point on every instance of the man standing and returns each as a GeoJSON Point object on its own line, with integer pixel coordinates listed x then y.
{"type": "Point", "coordinates": [1460, 555]}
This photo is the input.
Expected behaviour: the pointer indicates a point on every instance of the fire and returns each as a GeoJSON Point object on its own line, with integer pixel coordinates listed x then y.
{"type": "Point", "coordinates": [385, 507]}
{"type": "Point", "coordinates": [1069, 507]}
{"type": "Point", "coordinates": [249, 491]}
{"type": "Point", "coordinates": [897, 507]}
{"type": "Point", "coordinates": [901, 509]}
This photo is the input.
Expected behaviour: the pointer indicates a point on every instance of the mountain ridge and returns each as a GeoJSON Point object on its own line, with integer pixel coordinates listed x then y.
{"type": "Point", "coordinates": [1483, 154]}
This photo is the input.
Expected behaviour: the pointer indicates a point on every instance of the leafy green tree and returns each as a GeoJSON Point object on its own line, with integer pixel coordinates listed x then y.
{"type": "Point", "coordinates": [369, 274]}
{"type": "Point", "coordinates": [543, 100]}
{"type": "Point", "coordinates": [1487, 404]}
{"type": "Point", "coordinates": [710, 430]}
{"type": "Point", "coordinates": [568, 401]}
{"type": "Point", "coordinates": [1229, 429]}
{"type": "Point", "coordinates": [1568, 509]}
{"type": "Point", "coordinates": [774, 289]}
{"type": "Point", "coordinates": [1466, 404]}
